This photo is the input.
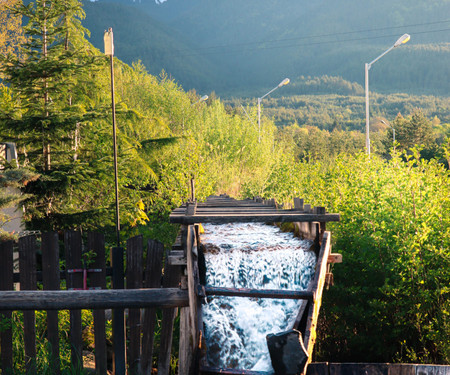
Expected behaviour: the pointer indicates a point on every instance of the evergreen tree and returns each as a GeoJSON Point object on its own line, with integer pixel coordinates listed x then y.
{"type": "Point", "coordinates": [49, 105]}
{"type": "Point", "coordinates": [415, 130]}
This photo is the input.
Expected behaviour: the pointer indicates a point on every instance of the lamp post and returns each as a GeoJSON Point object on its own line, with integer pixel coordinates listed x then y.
{"type": "Point", "coordinates": [402, 40]}
{"type": "Point", "coordinates": [282, 83]}
{"type": "Point", "coordinates": [393, 132]}
{"type": "Point", "coordinates": [109, 50]}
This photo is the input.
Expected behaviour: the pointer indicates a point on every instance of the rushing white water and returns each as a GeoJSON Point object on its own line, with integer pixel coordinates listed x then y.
{"type": "Point", "coordinates": [255, 256]}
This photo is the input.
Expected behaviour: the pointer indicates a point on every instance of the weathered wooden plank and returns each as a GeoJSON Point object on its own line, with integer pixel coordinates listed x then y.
{"type": "Point", "coordinates": [228, 371]}
{"type": "Point", "coordinates": [172, 275]}
{"type": "Point", "coordinates": [153, 271]}
{"type": "Point", "coordinates": [74, 280]}
{"type": "Point", "coordinates": [298, 204]}
{"type": "Point", "coordinates": [134, 281]}
{"type": "Point", "coordinates": [258, 293]}
{"type": "Point", "coordinates": [27, 267]}
{"type": "Point", "coordinates": [118, 314]}
{"type": "Point", "coordinates": [177, 258]}
{"type": "Point", "coordinates": [96, 244]}
{"type": "Point", "coordinates": [188, 316]}
{"type": "Point", "coordinates": [6, 283]}
{"type": "Point", "coordinates": [334, 258]}
{"type": "Point", "coordinates": [317, 288]}
{"type": "Point", "coordinates": [51, 281]}
{"type": "Point", "coordinates": [92, 299]}
{"type": "Point", "coordinates": [185, 348]}
{"type": "Point", "coordinates": [254, 217]}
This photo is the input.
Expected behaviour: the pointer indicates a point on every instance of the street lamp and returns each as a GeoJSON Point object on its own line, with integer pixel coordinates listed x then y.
{"type": "Point", "coordinates": [282, 83]}
{"type": "Point", "coordinates": [402, 40]}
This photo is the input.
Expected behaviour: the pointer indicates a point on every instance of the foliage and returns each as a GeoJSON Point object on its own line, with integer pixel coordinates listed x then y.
{"type": "Point", "coordinates": [43, 356]}
{"type": "Point", "coordinates": [394, 237]}
{"type": "Point", "coordinates": [11, 32]}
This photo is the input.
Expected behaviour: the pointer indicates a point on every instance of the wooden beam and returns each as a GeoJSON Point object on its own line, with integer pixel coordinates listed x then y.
{"type": "Point", "coordinates": [258, 293]}
{"type": "Point", "coordinates": [278, 217]}
{"type": "Point", "coordinates": [317, 286]}
{"type": "Point", "coordinates": [93, 299]}
{"type": "Point", "coordinates": [335, 258]}
{"type": "Point", "coordinates": [228, 371]}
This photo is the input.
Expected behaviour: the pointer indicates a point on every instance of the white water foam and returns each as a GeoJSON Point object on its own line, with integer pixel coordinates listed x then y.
{"type": "Point", "coordinates": [254, 256]}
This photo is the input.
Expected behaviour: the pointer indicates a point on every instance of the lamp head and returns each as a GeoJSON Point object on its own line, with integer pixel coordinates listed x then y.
{"type": "Point", "coordinates": [284, 82]}
{"type": "Point", "coordinates": [402, 40]}
{"type": "Point", "coordinates": [108, 42]}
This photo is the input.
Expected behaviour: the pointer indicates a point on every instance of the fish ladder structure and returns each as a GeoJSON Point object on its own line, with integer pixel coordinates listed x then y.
{"type": "Point", "coordinates": [290, 350]}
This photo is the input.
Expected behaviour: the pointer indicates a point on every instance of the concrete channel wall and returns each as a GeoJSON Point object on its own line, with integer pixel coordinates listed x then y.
{"type": "Point", "coordinates": [328, 368]}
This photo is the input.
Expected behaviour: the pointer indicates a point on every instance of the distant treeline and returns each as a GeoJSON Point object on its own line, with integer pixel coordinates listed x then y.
{"type": "Point", "coordinates": [332, 102]}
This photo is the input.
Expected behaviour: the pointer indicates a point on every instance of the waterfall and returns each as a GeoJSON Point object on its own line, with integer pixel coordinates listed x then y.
{"type": "Point", "coordinates": [251, 255]}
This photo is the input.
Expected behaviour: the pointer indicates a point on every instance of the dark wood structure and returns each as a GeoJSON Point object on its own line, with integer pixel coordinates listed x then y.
{"type": "Point", "coordinates": [308, 223]}
{"type": "Point", "coordinates": [81, 285]}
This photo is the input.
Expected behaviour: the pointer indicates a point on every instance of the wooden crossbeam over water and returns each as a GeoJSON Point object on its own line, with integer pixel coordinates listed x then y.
{"type": "Point", "coordinates": [220, 210]}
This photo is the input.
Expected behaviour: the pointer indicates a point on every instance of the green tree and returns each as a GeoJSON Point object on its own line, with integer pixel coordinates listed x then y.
{"type": "Point", "coordinates": [415, 130]}
{"type": "Point", "coordinates": [49, 104]}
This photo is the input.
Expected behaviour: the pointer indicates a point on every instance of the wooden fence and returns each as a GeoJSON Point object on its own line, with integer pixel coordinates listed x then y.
{"type": "Point", "coordinates": [83, 283]}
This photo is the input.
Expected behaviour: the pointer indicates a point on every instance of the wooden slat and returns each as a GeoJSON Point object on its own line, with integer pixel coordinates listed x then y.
{"type": "Point", "coordinates": [93, 299]}
{"type": "Point", "coordinates": [73, 248]}
{"type": "Point", "coordinates": [96, 243]}
{"type": "Point", "coordinates": [258, 293]}
{"type": "Point", "coordinates": [153, 270]}
{"type": "Point", "coordinates": [172, 275]}
{"type": "Point", "coordinates": [118, 314]}
{"type": "Point", "coordinates": [51, 281]}
{"type": "Point", "coordinates": [228, 371]}
{"type": "Point", "coordinates": [253, 218]}
{"type": "Point", "coordinates": [134, 281]}
{"type": "Point", "coordinates": [6, 283]}
{"type": "Point", "coordinates": [27, 266]}
{"type": "Point", "coordinates": [188, 317]}
{"type": "Point", "coordinates": [317, 288]}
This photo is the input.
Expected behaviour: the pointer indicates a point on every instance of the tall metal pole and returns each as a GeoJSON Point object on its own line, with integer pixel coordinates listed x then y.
{"type": "Point", "coordinates": [367, 67]}
{"type": "Point", "coordinates": [259, 120]}
{"type": "Point", "coordinates": [402, 40]}
{"type": "Point", "coordinates": [282, 83]}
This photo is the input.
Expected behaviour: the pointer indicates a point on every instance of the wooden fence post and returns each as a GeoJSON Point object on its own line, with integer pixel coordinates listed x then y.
{"type": "Point", "coordinates": [6, 283]}
{"type": "Point", "coordinates": [153, 268]}
{"type": "Point", "coordinates": [74, 280]}
{"type": "Point", "coordinates": [119, 362]}
{"type": "Point", "coordinates": [96, 243]}
{"type": "Point", "coordinates": [172, 276]}
{"type": "Point", "coordinates": [51, 281]}
{"type": "Point", "coordinates": [27, 267]}
{"type": "Point", "coordinates": [134, 281]}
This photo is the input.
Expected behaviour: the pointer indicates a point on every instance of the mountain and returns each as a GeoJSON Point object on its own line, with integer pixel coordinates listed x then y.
{"type": "Point", "coordinates": [246, 46]}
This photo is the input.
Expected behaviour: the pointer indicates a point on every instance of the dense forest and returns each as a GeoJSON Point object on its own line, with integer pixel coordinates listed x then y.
{"type": "Point", "coordinates": [392, 292]}
{"type": "Point", "coordinates": [246, 46]}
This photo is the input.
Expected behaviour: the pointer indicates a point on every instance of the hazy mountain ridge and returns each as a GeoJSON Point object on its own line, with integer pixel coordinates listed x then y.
{"type": "Point", "coordinates": [248, 45]}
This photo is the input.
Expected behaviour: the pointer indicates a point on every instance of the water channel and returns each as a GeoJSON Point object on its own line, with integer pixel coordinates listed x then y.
{"type": "Point", "coordinates": [251, 255]}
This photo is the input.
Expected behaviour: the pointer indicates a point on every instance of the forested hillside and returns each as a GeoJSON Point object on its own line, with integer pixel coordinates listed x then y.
{"type": "Point", "coordinates": [248, 46]}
